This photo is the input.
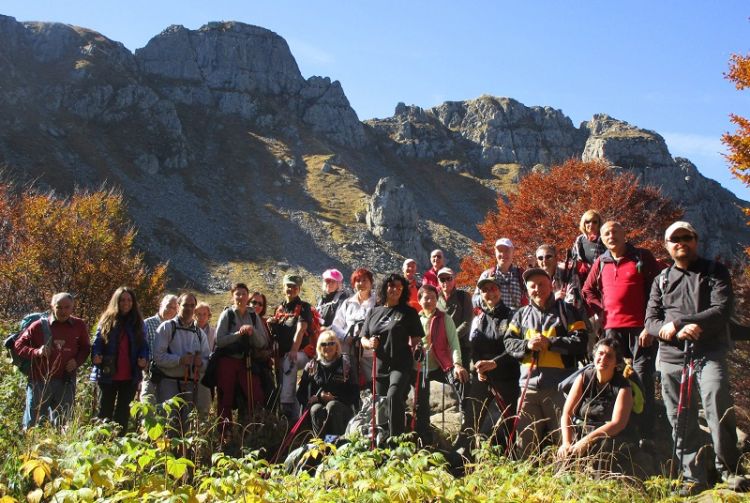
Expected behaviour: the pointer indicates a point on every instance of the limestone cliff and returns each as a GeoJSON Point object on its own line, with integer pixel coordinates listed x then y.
{"type": "Point", "coordinates": [232, 162]}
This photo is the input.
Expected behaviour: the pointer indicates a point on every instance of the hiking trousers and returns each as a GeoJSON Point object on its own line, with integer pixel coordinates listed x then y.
{"type": "Point", "coordinates": [395, 387]}
{"type": "Point", "coordinates": [114, 402]}
{"type": "Point", "coordinates": [711, 384]}
{"type": "Point", "coordinates": [50, 399]}
{"type": "Point", "coordinates": [330, 418]}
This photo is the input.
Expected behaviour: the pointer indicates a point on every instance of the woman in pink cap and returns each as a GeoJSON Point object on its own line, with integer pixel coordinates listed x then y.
{"type": "Point", "coordinates": [332, 297]}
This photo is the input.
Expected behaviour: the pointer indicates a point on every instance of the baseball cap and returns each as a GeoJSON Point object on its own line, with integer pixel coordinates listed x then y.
{"type": "Point", "coordinates": [445, 271]}
{"type": "Point", "coordinates": [489, 279]}
{"type": "Point", "coordinates": [504, 242]}
{"type": "Point", "coordinates": [292, 279]}
{"type": "Point", "coordinates": [680, 224]}
{"type": "Point", "coordinates": [534, 271]}
{"type": "Point", "coordinates": [333, 274]}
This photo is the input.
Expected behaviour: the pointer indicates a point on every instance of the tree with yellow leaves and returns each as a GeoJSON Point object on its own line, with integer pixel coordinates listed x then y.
{"type": "Point", "coordinates": [82, 244]}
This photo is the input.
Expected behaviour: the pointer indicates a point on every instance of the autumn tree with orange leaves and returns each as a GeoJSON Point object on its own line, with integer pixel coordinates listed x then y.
{"type": "Point", "coordinates": [547, 207]}
{"type": "Point", "coordinates": [82, 244]}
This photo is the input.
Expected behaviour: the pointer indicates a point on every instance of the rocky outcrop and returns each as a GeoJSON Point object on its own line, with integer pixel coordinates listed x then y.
{"type": "Point", "coordinates": [392, 216]}
{"type": "Point", "coordinates": [624, 145]}
{"type": "Point", "coordinates": [489, 130]}
{"type": "Point", "coordinates": [226, 154]}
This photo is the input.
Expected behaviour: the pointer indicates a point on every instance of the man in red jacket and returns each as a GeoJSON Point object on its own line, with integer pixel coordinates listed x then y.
{"type": "Point", "coordinates": [56, 345]}
{"type": "Point", "coordinates": [617, 289]}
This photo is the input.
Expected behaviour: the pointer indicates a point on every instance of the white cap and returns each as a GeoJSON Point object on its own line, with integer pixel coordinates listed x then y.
{"type": "Point", "coordinates": [504, 242]}
{"type": "Point", "coordinates": [679, 225]}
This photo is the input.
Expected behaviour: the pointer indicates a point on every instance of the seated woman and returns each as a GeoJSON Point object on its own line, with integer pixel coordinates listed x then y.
{"type": "Point", "coordinates": [328, 387]}
{"type": "Point", "coordinates": [596, 415]}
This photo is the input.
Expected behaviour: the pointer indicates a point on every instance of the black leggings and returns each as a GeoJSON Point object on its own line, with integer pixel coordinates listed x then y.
{"type": "Point", "coordinates": [395, 387]}
{"type": "Point", "coordinates": [114, 401]}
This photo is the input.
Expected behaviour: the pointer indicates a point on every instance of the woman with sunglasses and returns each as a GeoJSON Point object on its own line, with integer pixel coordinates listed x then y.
{"type": "Point", "coordinates": [328, 387]}
{"type": "Point", "coordinates": [588, 245]}
{"type": "Point", "coordinates": [263, 357]}
{"type": "Point", "coordinates": [393, 330]}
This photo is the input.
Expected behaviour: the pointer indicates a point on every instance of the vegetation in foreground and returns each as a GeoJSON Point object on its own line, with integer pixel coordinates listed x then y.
{"type": "Point", "coordinates": [87, 461]}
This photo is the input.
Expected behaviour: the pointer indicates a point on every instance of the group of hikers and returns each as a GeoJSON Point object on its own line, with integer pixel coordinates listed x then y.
{"type": "Point", "coordinates": [545, 347]}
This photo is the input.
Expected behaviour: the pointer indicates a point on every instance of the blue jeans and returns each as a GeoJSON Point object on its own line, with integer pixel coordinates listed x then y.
{"type": "Point", "coordinates": [51, 399]}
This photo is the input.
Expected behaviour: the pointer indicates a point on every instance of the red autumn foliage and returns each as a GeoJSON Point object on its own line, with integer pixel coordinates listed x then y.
{"type": "Point", "coordinates": [547, 207]}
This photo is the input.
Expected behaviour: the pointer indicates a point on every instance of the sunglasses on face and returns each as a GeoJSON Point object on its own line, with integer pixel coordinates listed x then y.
{"type": "Point", "coordinates": [591, 222]}
{"type": "Point", "coordinates": [681, 239]}
{"type": "Point", "coordinates": [445, 279]}
{"type": "Point", "coordinates": [327, 344]}
{"type": "Point", "coordinates": [544, 257]}
{"type": "Point", "coordinates": [256, 303]}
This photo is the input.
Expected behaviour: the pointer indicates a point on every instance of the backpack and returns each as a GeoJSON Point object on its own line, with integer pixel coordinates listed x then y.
{"type": "Point", "coordinates": [23, 364]}
{"type": "Point", "coordinates": [361, 423]}
{"type": "Point", "coordinates": [313, 328]}
{"type": "Point", "coordinates": [636, 387]}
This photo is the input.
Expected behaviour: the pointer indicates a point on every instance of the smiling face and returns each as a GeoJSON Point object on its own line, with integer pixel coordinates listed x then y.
{"type": "Point", "coordinates": [330, 285]}
{"type": "Point", "coordinates": [257, 303]}
{"type": "Point", "coordinates": [545, 259]}
{"type": "Point", "coordinates": [428, 301]}
{"type": "Point", "coordinates": [328, 348]}
{"type": "Point", "coordinates": [240, 297]}
{"type": "Point", "coordinates": [490, 294]}
{"type": "Point", "coordinates": [410, 269]}
{"type": "Point", "coordinates": [682, 246]}
{"type": "Point", "coordinates": [447, 283]}
{"type": "Point", "coordinates": [291, 291]}
{"type": "Point", "coordinates": [504, 256]}
{"type": "Point", "coordinates": [437, 260]}
{"type": "Point", "coordinates": [363, 284]}
{"type": "Point", "coordinates": [393, 293]}
{"type": "Point", "coordinates": [605, 358]}
{"type": "Point", "coordinates": [170, 310]}
{"type": "Point", "coordinates": [63, 309]}
{"type": "Point", "coordinates": [202, 315]}
{"type": "Point", "coordinates": [613, 236]}
{"type": "Point", "coordinates": [539, 288]}
{"type": "Point", "coordinates": [591, 226]}
{"type": "Point", "coordinates": [125, 303]}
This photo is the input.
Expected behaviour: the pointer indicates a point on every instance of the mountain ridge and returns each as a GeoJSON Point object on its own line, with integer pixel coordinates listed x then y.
{"type": "Point", "coordinates": [232, 161]}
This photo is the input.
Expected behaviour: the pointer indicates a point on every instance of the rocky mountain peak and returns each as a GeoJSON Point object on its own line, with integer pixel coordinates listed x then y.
{"type": "Point", "coordinates": [624, 145]}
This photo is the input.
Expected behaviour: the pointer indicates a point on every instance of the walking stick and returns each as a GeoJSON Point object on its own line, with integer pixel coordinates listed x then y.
{"type": "Point", "coordinates": [416, 396]}
{"type": "Point", "coordinates": [521, 401]}
{"type": "Point", "coordinates": [291, 434]}
{"type": "Point", "coordinates": [374, 399]}
{"type": "Point", "coordinates": [683, 402]}
{"type": "Point", "coordinates": [249, 378]}
{"type": "Point", "coordinates": [443, 406]}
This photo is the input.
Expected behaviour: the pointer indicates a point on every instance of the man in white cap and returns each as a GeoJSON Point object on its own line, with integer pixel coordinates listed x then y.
{"type": "Point", "coordinates": [689, 309]}
{"type": "Point", "coordinates": [332, 297]}
{"type": "Point", "coordinates": [508, 276]}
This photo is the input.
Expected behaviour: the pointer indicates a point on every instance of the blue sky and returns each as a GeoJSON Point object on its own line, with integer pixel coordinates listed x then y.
{"type": "Point", "coordinates": [656, 64]}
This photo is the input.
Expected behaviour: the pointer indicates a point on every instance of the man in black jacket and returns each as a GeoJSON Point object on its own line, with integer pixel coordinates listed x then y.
{"type": "Point", "coordinates": [689, 308]}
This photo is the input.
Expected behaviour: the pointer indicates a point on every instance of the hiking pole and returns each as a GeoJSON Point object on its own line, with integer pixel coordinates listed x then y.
{"type": "Point", "coordinates": [249, 382]}
{"type": "Point", "coordinates": [443, 406]}
{"type": "Point", "coordinates": [291, 434]}
{"type": "Point", "coordinates": [416, 392]}
{"type": "Point", "coordinates": [683, 402]}
{"type": "Point", "coordinates": [374, 398]}
{"type": "Point", "coordinates": [521, 401]}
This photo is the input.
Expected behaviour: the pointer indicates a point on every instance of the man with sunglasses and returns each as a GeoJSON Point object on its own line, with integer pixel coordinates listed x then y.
{"type": "Point", "coordinates": [617, 289]}
{"type": "Point", "coordinates": [690, 307]}
{"type": "Point", "coordinates": [564, 285]}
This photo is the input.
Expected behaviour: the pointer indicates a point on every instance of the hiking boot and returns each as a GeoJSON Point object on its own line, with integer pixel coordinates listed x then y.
{"type": "Point", "coordinates": [738, 483]}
